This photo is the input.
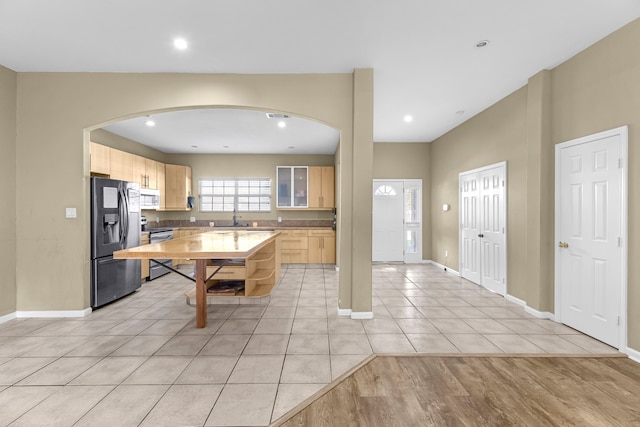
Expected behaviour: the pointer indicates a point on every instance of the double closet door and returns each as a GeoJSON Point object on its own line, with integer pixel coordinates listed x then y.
{"type": "Point", "coordinates": [483, 227]}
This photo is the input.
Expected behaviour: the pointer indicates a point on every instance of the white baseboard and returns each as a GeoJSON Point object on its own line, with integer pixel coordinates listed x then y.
{"type": "Point", "coordinates": [7, 317]}
{"type": "Point", "coordinates": [511, 298]}
{"type": "Point", "coordinates": [539, 314]}
{"type": "Point", "coordinates": [442, 267]}
{"type": "Point", "coordinates": [61, 313]}
{"type": "Point", "coordinates": [530, 310]}
{"type": "Point", "coordinates": [633, 354]}
{"type": "Point", "coordinates": [360, 315]}
{"type": "Point", "coordinates": [344, 312]}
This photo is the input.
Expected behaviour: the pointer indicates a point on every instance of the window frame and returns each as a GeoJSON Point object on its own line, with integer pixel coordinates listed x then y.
{"type": "Point", "coordinates": [227, 191]}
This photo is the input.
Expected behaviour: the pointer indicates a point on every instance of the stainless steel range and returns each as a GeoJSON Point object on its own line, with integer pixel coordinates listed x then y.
{"type": "Point", "coordinates": [158, 235]}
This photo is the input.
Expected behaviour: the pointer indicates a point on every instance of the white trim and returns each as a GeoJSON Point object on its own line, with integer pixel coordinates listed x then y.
{"type": "Point", "coordinates": [344, 311]}
{"type": "Point", "coordinates": [8, 317]}
{"type": "Point", "coordinates": [530, 310]}
{"type": "Point", "coordinates": [515, 300]}
{"type": "Point", "coordinates": [623, 131]}
{"type": "Point", "coordinates": [539, 314]}
{"type": "Point", "coordinates": [442, 267]}
{"type": "Point", "coordinates": [356, 315]}
{"type": "Point", "coordinates": [633, 354]}
{"type": "Point", "coordinates": [61, 313]}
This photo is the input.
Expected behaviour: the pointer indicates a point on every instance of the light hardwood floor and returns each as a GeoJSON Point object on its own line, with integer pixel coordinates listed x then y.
{"type": "Point", "coordinates": [481, 391]}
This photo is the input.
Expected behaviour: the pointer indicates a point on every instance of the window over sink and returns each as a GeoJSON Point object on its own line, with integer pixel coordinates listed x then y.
{"type": "Point", "coordinates": [241, 194]}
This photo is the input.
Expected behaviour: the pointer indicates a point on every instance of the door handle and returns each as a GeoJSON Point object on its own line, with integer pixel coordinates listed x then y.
{"type": "Point", "coordinates": [563, 245]}
{"type": "Point", "coordinates": [481, 235]}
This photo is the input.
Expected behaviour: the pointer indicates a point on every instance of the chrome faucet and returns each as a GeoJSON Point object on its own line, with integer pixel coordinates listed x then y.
{"type": "Point", "coordinates": [235, 221]}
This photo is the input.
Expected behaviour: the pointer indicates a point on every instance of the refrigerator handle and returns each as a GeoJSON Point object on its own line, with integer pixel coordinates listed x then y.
{"type": "Point", "coordinates": [125, 217]}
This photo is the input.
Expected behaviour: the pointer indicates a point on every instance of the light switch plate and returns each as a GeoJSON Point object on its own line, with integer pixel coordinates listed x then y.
{"type": "Point", "coordinates": [70, 213]}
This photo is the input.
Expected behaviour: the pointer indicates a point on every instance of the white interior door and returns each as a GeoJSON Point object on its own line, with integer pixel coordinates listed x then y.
{"type": "Point", "coordinates": [590, 232]}
{"type": "Point", "coordinates": [483, 241]}
{"type": "Point", "coordinates": [388, 221]}
{"type": "Point", "coordinates": [493, 229]}
{"type": "Point", "coordinates": [470, 227]}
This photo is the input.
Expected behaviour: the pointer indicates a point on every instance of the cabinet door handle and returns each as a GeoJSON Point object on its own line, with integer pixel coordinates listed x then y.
{"type": "Point", "coordinates": [481, 235]}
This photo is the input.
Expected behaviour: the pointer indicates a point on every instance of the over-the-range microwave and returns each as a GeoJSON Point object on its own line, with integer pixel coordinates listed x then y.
{"type": "Point", "coordinates": [149, 199]}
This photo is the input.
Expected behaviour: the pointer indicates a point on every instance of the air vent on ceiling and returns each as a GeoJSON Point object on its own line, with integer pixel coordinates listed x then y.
{"type": "Point", "coordinates": [277, 116]}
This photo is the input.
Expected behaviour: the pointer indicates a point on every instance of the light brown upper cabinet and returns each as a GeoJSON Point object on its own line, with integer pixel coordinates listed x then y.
{"type": "Point", "coordinates": [161, 184]}
{"type": "Point", "coordinates": [122, 165]}
{"type": "Point", "coordinates": [100, 159]}
{"type": "Point", "coordinates": [177, 186]}
{"type": "Point", "coordinates": [321, 187]}
{"type": "Point", "coordinates": [145, 172]}
{"type": "Point", "coordinates": [151, 170]}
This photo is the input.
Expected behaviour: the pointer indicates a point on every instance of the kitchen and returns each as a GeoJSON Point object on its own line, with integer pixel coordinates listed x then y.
{"type": "Point", "coordinates": [172, 180]}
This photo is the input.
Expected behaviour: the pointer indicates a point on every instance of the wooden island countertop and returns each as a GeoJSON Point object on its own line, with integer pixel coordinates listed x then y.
{"type": "Point", "coordinates": [210, 245]}
{"type": "Point", "coordinates": [259, 250]}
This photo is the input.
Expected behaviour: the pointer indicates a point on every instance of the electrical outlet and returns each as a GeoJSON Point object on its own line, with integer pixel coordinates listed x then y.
{"type": "Point", "coordinates": [212, 223]}
{"type": "Point", "coordinates": [192, 219]}
{"type": "Point", "coordinates": [157, 219]}
{"type": "Point", "coordinates": [279, 219]}
{"type": "Point", "coordinates": [446, 253]}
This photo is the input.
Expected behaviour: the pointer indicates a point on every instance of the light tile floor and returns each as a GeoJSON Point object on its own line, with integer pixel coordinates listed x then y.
{"type": "Point", "coordinates": [141, 361]}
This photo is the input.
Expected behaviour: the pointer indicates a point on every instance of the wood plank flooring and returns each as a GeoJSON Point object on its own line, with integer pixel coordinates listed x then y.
{"type": "Point", "coordinates": [481, 391]}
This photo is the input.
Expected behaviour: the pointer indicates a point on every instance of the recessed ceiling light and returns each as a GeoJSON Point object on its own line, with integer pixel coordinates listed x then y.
{"type": "Point", "coordinates": [225, 146]}
{"type": "Point", "coordinates": [180, 44]}
{"type": "Point", "coordinates": [481, 44]}
{"type": "Point", "coordinates": [408, 118]}
{"type": "Point", "coordinates": [194, 146]}
{"type": "Point", "coordinates": [291, 147]}
{"type": "Point", "coordinates": [150, 123]}
{"type": "Point", "coordinates": [282, 124]}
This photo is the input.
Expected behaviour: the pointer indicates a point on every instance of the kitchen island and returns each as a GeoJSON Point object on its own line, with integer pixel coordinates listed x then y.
{"type": "Point", "coordinates": [258, 249]}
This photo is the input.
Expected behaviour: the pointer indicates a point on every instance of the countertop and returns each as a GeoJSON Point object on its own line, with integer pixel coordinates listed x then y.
{"type": "Point", "coordinates": [221, 244]}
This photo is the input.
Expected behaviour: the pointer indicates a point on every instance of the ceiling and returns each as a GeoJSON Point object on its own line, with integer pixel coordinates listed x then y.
{"type": "Point", "coordinates": [422, 51]}
{"type": "Point", "coordinates": [229, 131]}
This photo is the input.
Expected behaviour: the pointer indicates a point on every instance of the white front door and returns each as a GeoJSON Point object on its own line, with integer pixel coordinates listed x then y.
{"type": "Point", "coordinates": [388, 221]}
{"type": "Point", "coordinates": [590, 233]}
{"type": "Point", "coordinates": [483, 227]}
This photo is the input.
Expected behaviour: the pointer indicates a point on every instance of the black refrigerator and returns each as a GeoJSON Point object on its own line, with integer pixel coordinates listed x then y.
{"type": "Point", "coordinates": [115, 225]}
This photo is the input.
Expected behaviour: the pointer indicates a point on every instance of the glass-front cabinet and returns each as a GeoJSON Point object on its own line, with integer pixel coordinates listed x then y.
{"type": "Point", "coordinates": [292, 186]}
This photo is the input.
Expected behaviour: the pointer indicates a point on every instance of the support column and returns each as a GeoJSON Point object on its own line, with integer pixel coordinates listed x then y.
{"type": "Point", "coordinates": [540, 188]}
{"type": "Point", "coordinates": [362, 169]}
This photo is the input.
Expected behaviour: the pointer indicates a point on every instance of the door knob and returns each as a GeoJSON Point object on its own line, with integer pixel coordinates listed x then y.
{"type": "Point", "coordinates": [563, 245]}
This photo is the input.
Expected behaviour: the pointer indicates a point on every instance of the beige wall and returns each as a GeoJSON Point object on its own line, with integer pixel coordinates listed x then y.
{"type": "Point", "coordinates": [53, 159]}
{"type": "Point", "coordinates": [596, 90]}
{"type": "Point", "coordinates": [495, 135]}
{"type": "Point", "coordinates": [222, 166]}
{"type": "Point", "coordinates": [408, 161]}
{"type": "Point", "coordinates": [244, 166]}
{"type": "Point", "coordinates": [8, 96]}
{"type": "Point", "coordinates": [599, 89]}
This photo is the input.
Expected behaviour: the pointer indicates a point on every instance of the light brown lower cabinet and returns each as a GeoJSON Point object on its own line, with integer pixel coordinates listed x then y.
{"type": "Point", "coordinates": [301, 246]}
{"type": "Point", "coordinates": [294, 246]}
{"type": "Point", "coordinates": [322, 247]}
